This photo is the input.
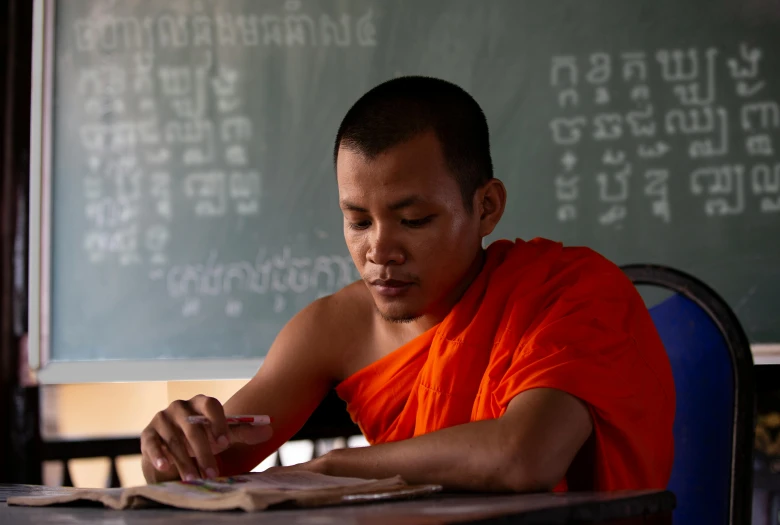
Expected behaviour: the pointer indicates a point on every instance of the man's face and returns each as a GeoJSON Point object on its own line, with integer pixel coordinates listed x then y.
{"type": "Point", "coordinates": [406, 227]}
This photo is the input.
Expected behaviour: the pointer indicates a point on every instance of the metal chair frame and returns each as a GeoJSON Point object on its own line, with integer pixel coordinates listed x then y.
{"type": "Point", "coordinates": [744, 412]}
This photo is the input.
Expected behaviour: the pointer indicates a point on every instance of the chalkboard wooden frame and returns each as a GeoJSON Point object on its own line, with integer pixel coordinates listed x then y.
{"type": "Point", "coordinates": [39, 184]}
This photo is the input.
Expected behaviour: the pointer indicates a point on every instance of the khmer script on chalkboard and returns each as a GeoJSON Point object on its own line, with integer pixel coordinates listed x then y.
{"type": "Point", "coordinates": [194, 203]}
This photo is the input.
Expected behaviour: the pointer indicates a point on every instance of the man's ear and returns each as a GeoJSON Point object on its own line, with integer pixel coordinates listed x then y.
{"type": "Point", "coordinates": [490, 201]}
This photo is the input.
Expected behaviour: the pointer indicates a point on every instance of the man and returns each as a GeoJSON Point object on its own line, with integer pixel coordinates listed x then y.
{"type": "Point", "coordinates": [523, 367]}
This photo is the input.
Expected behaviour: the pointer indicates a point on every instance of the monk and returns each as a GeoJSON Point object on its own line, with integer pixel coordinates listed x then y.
{"type": "Point", "coordinates": [525, 366]}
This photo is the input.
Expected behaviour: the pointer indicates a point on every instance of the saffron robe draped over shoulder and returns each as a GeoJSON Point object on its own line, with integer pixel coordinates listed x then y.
{"type": "Point", "coordinates": [539, 315]}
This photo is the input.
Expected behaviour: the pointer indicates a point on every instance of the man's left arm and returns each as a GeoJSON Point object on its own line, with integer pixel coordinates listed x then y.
{"type": "Point", "coordinates": [529, 448]}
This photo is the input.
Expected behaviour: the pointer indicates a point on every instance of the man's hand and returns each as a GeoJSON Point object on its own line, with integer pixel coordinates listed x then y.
{"type": "Point", "coordinates": [303, 363]}
{"type": "Point", "coordinates": [174, 448]}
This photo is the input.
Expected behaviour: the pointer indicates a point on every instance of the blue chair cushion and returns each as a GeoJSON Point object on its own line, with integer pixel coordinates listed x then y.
{"type": "Point", "coordinates": [704, 383]}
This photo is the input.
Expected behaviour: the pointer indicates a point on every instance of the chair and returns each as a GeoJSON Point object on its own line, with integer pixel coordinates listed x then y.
{"type": "Point", "coordinates": [712, 367]}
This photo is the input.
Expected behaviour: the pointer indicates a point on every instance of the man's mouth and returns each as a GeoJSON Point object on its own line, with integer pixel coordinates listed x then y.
{"type": "Point", "coordinates": [391, 287]}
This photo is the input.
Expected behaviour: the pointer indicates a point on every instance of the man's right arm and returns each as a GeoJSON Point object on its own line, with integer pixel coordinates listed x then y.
{"type": "Point", "coordinates": [300, 368]}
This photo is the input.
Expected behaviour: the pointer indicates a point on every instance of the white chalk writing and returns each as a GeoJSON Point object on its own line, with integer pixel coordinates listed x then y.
{"type": "Point", "coordinates": [723, 187]}
{"type": "Point", "coordinates": [694, 130]}
{"type": "Point", "coordinates": [279, 276]}
{"type": "Point", "coordinates": [657, 188]}
{"type": "Point", "coordinates": [765, 182]}
{"type": "Point", "coordinates": [288, 27]}
{"type": "Point", "coordinates": [567, 131]}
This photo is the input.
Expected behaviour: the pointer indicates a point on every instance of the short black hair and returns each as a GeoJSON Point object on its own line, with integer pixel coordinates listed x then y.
{"type": "Point", "coordinates": [400, 109]}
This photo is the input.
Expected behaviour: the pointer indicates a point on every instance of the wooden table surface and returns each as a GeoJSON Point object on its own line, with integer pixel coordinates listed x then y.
{"type": "Point", "coordinates": [645, 507]}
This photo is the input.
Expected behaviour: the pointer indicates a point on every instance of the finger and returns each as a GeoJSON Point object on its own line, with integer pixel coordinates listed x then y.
{"type": "Point", "coordinates": [153, 449]}
{"type": "Point", "coordinates": [250, 434]}
{"type": "Point", "coordinates": [215, 412]}
{"type": "Point", "coordinates": [172, 460]}
{"type": "Point", "coordinates": [176, 443]}
{"type": "Point", "coordinates": [168, 456]}
{"type": "Point", "coordinates": [197, 438]}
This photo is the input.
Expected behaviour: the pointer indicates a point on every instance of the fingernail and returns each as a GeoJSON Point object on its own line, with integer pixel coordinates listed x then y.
{"type": "Point", "coordinates": [189, 477]}
{"type": "Point", "coordinates": [223, 441]}
{"type": "Point", "coordinates": [211, 473]}
{"type": "Point", "coordinates": [159, 463]}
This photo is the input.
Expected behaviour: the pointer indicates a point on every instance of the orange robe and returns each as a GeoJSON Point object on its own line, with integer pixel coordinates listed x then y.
{"type": "Point", "coordinates": [538, 315]}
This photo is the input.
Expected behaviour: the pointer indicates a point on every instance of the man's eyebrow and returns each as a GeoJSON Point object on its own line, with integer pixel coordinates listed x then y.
{"type": "Point", "coordinates": [403, 203]}
{"type": "Point", "coordinates": [352, 207]}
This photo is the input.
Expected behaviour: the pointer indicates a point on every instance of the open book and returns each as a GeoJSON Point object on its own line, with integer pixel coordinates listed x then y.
{"type": "Point", "coordinates": [250, 492]}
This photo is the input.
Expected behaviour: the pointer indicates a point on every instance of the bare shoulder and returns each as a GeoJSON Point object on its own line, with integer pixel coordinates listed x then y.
{"type": "Point", "coordinates": [342, 315]}
{"type": "Point", "coordinates": [329, 330]}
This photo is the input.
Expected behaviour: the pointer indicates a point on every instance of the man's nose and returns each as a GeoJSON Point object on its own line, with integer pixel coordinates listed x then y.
{"type": "Point", "coordinates": [385, 248]}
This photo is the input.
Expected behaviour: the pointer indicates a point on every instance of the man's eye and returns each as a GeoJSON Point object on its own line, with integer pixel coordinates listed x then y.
{"type": "Point", "coordinates": [361, 225]}
{"type": "Point", "coordinates": [417, 223]}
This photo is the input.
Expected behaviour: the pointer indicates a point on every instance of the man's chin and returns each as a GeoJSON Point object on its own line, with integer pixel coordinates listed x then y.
{"type": "Point", "coordinates": [392, 315]}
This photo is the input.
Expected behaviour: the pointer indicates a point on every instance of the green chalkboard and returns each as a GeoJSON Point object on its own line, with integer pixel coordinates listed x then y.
{"type": "Point", "coordinates": [194, 204]}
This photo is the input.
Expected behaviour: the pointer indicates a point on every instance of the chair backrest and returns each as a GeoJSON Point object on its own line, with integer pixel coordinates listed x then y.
{"type": "Point", "coordinates": [714, 421]}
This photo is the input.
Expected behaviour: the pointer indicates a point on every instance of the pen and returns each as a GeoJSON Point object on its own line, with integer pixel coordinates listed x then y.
{"type": "Point", "coordinates": [233, 420]}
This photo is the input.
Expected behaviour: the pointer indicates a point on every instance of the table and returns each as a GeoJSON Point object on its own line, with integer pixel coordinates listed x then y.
{"type": "Point", "coordinates": [645, 507]}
